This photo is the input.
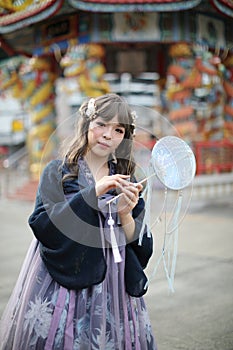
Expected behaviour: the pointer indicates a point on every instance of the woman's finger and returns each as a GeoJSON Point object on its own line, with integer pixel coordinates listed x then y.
{"type": "Point", "coordinates": [110, 182]}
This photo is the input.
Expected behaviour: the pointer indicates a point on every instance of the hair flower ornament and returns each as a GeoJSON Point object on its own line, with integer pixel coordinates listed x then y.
{"type": "Point", "coordinates": [134, 117]}
{"type": "Point", "coordinates": [91, 108]}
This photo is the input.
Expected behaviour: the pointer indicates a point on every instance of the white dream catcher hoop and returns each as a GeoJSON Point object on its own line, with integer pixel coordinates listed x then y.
{"type": "Point", "coordinates": [173, 163]}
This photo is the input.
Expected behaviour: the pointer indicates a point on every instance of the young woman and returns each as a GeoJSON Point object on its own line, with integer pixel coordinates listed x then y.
{"type": "Point", "coordinates": [82, 283]}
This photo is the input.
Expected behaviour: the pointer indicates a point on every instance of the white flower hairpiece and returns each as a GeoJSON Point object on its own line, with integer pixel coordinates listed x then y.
{"type": "Point", "coordinates": [134, 117]}
{"type": "Point", "coordinates": [91, 108]}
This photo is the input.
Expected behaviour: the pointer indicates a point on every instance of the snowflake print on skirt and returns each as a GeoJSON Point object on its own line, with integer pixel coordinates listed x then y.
{"type": "Point", "coordinates": [38, 319]}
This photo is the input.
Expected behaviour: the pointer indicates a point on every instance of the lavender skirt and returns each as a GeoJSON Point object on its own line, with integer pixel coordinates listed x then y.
{"type": "Point", "coordinates": [42, 315]}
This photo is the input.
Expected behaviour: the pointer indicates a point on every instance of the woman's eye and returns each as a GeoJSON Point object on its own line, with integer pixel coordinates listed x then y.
{"type": "Point", "coordinates": [120, 131]}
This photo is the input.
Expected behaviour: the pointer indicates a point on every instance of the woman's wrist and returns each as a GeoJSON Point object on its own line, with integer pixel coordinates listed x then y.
{"type": "Point", "coordinates": [128, 224]}
{"type": "Point", "coordinates": [125, 218]}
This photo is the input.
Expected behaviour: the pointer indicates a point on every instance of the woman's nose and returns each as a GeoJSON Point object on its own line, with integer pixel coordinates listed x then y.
{"type": "Point", "coordinates": [107, 133]}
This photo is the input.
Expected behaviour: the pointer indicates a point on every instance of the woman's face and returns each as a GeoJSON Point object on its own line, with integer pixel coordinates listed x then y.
{"type": "Point", "coordinates": [104, 136]}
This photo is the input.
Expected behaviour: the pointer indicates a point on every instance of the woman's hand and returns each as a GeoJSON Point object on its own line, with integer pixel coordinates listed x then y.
{"type": "Point", "coordinates": [129, 198]}
{"type": "Point", "coordinates": [126, 202]}
{"type": "Point", "coordinates": [107, 183]}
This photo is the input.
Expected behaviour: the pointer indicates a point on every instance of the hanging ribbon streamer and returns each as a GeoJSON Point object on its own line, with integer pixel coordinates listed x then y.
{"type": "Point", "coordinates": [170, 264]}
{"type": "Point", "coordinates": [115, 249]}
{"type": "Point", "coordinates": [147, 197]}
{"type": "Point", "coordinates": [169, 246]}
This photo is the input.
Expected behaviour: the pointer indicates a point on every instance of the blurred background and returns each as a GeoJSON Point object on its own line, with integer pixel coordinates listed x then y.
{"type": "Point", "coordinates": [173, 62]}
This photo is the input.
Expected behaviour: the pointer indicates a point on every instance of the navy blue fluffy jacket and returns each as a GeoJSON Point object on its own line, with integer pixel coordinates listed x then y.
{"type": "Point", "coordinates": [63, 224]}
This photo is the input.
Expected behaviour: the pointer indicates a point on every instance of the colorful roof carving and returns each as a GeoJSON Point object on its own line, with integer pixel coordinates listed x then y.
{"type": "Point", "coordinates": [17, 14]}
{"type": "Point", "coordinates": [224, 6]}
{"type": "Point", "coordinates": [133, 5]}
{"type": "Point", "coordinates": [13, 17]}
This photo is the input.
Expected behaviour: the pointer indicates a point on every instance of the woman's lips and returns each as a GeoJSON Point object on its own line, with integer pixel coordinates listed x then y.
{"type": "Point", "coordinates": [105, 145]}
